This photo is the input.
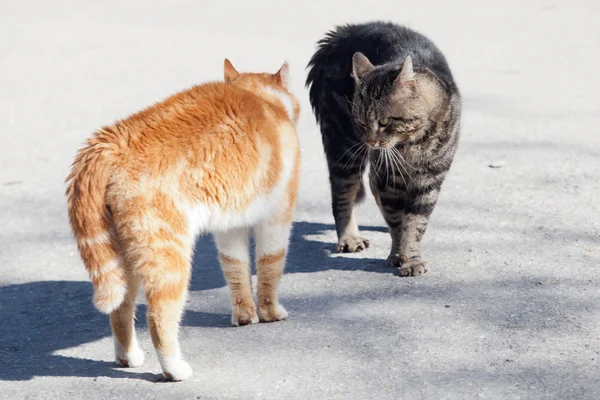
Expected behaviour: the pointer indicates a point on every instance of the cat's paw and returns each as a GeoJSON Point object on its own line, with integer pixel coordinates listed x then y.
{"type": "Point", "coordinates": [413, 268]}
{"type": "Point", "coordinates": [132, 359]}
{"type": "Point", "coordinates": [396, 260]}
{"type": "Point", "coordinates": [352, 244]}
{"type": "Point", "coordinates": [271, 313]}
{"type": "Point", "coordinates": [244, 314]}
{"type": "Point", "coordinates": [176, 369]}
{"type": "Point", "coordinates": [128, 359]}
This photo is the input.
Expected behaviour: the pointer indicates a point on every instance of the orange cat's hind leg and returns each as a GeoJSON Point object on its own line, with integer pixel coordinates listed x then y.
{"type": "Point", "coordinates": [159, 248]}
{"type": "Point", "coordinates": [165, 275]}
{"type": "Point", "coordinates": [127, 350]}
{"type": "Point", "coordinates": [271, 247]}
{"type": "Point", "coordinates": [234, 256]}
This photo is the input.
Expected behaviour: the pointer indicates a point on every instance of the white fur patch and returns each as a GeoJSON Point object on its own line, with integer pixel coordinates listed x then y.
{"type": "Point", "coordinates": [103, 238]}
{"type": "Point", "coordinates": [284, 98]}
{"type": "Point", "coordinates": [105, 269]}
{"type": "Point", "coordinates": [271, 239]}
{"type": "Point", "coordinates": [133, 358]}
{"type": "Point", "coordinates": [108, 298]}
{"type": "Point", "coordinates": [283, 314]}
{"type": "Point", "coordinates": [234, 244]}
{"type": "Point", "coordinates": [174, 367]}
{"type": "Point", "coordinates": [211, 218]}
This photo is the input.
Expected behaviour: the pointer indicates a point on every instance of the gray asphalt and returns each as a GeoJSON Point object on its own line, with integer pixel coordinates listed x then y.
{"type": "Point", "coordinates": [510, 307]}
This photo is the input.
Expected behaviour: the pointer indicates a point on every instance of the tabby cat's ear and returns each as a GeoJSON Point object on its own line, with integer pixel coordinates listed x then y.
{"type": "Point", "coordinates": [360, 66]}
{"type": "Point", "coordinates": [283, 75]}
{"type": "Point", "coordinates": [230, 72]}
{"type": "Point", "coordinates": [407, 74]}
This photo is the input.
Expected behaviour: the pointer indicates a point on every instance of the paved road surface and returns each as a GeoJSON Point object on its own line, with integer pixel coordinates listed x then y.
{"type": "Point", "coordinates": [510, 307]}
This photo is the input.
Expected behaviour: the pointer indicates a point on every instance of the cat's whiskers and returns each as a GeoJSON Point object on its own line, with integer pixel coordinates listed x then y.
{"type": "Point", "coordinates": [362, 161]}
{"type": "Point", "coordinates": [354, 156]}
{"type": "Point", "coordinates": [391, 168]}
{"type": "Point", "coordinates": [403, 161]}
{"type": "Point", "coordinates": [353, 106]}
{"type": "Point", "coordinates": [399, 154]}
{"type": "Point", "coordinates": [394, 167]}
{"type": "Point", "coordinates": [395, 154]}
{"type": "Point", "coordinates": [398, 166]}
{"type": "Point", "coordinates": [384, 161]}
{"type": "Point", "coordinates": [346, 152]}
{"type": "Point", "coordinates": [376, 165]}
{"type": "Point", "coordinates": [379, 160]}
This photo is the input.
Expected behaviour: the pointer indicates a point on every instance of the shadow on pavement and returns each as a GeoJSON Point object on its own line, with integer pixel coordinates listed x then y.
{"type": "Point", "coordinates": [38, 319]}
{"type": "Point", "coordinates": [304, 256]}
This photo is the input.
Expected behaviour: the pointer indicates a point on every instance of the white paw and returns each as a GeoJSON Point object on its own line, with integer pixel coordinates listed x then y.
{"type": "Point", "coordinates": [236, 321]}
{"type": "Point", "coordinates": [273, 313]}
{"type": "Point", "coordinates": [133, 358]}
{"type": "Point", "coordinates": [176, 369]}
{"type": "Point", "coordinates": [283, 314]}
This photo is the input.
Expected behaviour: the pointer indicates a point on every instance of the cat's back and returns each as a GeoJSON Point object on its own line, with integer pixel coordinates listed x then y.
{"type": "Point", "coordinates": [218, 146]}
{"type": "Point", "coordinates": [198, 111]}
{"type": "Point", "coordinates": [195, 123]}
{"type": "Point", "coordinates": [381, 42]}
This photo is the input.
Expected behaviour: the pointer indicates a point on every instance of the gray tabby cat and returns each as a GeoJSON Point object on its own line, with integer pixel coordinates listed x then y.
{"type": "Point", "coordinates": [403, 117]}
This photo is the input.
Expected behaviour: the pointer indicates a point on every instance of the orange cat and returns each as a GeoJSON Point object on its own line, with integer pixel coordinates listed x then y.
{"type": "Point", "coordinates": [222, 157]}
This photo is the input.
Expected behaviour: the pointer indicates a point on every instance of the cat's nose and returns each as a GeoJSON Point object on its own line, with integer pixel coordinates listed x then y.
{"type": "Point", "coordinates": [373, 142]}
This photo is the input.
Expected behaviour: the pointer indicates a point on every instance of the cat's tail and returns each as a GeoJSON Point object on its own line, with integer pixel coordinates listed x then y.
{"type": "Point", "coordinates": [91, 220]}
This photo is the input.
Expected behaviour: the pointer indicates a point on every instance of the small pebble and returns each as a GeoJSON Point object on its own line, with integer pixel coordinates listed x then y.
{"type": "Point", "coordinates": [497, 164]}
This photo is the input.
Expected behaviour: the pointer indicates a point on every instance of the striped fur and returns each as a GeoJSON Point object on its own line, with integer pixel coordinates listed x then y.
{"type": "Point", "coordinates": [386, 101]}
{"type": "Point", "coordinates": [222, 157]}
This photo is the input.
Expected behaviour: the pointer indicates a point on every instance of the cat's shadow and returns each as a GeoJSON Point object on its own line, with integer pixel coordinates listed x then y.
{"type": "Point", "coordinates": [39, 319]}
{"type": "Point", "coordinates": [305, 255]}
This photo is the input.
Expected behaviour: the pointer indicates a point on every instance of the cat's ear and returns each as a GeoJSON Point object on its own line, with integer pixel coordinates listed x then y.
{"type": "Point", "coordinates": [360, 66]}
{"type": "Point", "coordinates": [230, 72]}
{"type": "Point", "coordinates": [283, 75]}
{"type": "Point", "coordinates": [406, 77]}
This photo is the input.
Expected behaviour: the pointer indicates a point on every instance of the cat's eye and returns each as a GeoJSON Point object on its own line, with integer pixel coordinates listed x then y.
{"type": "Point", "coordinates": [384, 121]}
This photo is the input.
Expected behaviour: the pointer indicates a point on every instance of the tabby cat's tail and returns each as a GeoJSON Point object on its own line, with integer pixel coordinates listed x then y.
{"type": "Point", "coordinates": [91, 220]}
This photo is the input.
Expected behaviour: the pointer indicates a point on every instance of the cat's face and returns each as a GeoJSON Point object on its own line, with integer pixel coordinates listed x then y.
{"type": "Point", "coordinates": [387, 107]}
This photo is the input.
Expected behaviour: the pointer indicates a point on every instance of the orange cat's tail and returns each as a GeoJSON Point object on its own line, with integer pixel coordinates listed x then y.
{"type": "Point", "coordinates": [91, 220]}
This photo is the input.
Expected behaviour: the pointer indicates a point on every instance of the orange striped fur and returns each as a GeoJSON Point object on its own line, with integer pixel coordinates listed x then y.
{"type": "Point", "coordinates": [222, 157]}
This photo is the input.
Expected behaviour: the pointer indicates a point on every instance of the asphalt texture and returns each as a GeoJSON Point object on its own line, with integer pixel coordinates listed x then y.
{"type": "Point", "coordinates": [510, 306]}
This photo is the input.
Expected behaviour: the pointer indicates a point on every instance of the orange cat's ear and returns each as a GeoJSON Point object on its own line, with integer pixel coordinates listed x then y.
{"type": "Point", "coordinates": [230, 72]}
{"type": "Point", "coordinates": [283, 75]}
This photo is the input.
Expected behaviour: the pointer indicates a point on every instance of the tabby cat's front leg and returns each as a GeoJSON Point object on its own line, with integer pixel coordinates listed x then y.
{"type": "Point", "coordinates": [409, 256]}
{"type": "Point", "coordinates": [345, 186]}
{"type": "Point", "coordinates": [416, 217]}
{"type": "Point", "coordinates": [407, 216]}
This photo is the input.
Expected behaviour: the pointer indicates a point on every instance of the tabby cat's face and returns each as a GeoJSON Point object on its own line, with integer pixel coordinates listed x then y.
{"type": "Point", "coordinates": [387, 107]}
